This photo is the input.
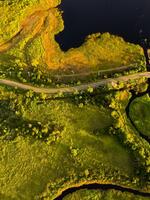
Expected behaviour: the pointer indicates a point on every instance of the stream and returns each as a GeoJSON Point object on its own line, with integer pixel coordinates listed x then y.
{"type": "Point", "coordinates": [102, 187]}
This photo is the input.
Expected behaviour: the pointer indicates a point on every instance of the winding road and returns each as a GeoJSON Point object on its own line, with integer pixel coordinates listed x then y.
{"type": "Point", "coordinates": [72, 89]}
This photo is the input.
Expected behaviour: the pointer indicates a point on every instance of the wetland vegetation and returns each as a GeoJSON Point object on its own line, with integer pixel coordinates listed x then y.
{"type": "Point", "coordinates": [51, 143]}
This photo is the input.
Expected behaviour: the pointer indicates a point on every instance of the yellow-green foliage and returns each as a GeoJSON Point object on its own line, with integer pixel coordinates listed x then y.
{"type": "Point", "coordinates": [104, 51]}
{"type": "Point", "coordinates": [127, 132]}
{"type": "Point", "coordinates": [14, 12]}
{"type": "Point", "coordinates": [28, 166]}
{"type": "Point", "coordinates": [78, 149]}
{"type": "Point", "coordinates": [48, 146]}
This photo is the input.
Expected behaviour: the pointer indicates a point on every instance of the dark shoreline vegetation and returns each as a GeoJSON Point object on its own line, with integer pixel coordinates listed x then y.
{"type": "Point", "coordinates": [51, 146]}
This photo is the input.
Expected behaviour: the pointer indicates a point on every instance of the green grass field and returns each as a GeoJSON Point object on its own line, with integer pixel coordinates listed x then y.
{"type": "Point", "coordinates": [77, 149]}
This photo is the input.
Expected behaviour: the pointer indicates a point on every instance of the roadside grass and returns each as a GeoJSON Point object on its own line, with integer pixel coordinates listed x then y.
{"type": "Point", "coordinates": [140, 114]}
{"type": "Point", "coordinates": [103, 195]}
{"type": "Point", "coordinates": [83, 150]}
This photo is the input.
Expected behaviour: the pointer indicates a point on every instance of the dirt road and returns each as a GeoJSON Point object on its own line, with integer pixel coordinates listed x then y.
{"type": "Point", "coordinates": [72, 89]}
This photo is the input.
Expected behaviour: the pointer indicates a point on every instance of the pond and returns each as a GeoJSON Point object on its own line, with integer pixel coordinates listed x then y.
{"type": "Point", "coordinates": [126, 18]}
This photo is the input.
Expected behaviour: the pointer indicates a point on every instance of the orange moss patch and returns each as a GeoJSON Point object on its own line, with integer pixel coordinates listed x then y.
{"type": "Point", "coordinates": [53, 52]}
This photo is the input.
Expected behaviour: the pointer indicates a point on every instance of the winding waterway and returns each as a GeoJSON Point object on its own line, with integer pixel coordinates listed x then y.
{"type": "Point", "coordinates": [134, 96]}
{"type": "Point", "coordinates": [102, 187]}
{"type": "Point", "coordinates": [126, 18]}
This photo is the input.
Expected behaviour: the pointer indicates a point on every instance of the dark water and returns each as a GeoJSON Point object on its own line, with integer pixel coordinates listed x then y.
{"type": "Point", "coordinates": [125, 18]}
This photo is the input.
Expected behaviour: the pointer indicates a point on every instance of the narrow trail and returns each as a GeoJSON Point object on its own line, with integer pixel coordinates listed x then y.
{"type": "Point", "coordinates": [72, 89]}
{"type": "Point", "coordinates": [30, 27]}
{"type": "Point", "coordinates": [98, 73]}
{"type": "Point", "coordinates": [42, 28]}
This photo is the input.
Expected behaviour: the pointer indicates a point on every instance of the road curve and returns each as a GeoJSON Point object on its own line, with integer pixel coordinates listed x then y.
{"type": "Point", "coordinates": [72, 89]}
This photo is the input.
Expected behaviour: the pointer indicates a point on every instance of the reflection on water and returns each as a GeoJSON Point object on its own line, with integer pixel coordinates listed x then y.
{"type": "Point", "coordinates": [121, 17]}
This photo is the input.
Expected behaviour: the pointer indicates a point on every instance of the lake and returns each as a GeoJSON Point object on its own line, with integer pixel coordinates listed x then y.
{"type": "Point", "coordinates": [125, 18]}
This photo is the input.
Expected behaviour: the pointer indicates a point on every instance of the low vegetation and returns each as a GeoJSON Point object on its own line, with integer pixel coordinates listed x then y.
{"type": "Point", "coordinates": [51, 143]}
{"type": "Point", "coordinates": [56, 144]}
{"type": "Point", "coordinates": [129, 136]}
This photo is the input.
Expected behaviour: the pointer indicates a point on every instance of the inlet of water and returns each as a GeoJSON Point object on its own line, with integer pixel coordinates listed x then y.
{"type": "Point", "coordinates": [126, 18]}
